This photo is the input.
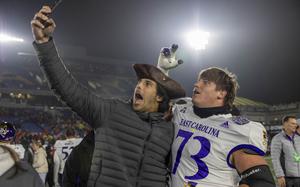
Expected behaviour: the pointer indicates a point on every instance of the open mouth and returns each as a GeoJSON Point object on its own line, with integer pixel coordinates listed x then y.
{"type": "Point", "coordinates": [195, 91]}
{"type": "Point", "coordinates": [138, 97]}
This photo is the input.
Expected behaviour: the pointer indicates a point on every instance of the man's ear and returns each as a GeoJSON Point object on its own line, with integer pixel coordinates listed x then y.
{"type": "Point", "coordinates": [222, 94]}
{"type": "Point", "coordinates": [159, 98]}
{"type": "Point", "coordinates": [284, 125]}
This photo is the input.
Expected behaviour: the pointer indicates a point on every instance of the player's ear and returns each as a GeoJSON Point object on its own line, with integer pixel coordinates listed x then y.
{"type": "Point", "coordinates": [159, 98]}
{"type": "Point", "coordinates": [221, 94]}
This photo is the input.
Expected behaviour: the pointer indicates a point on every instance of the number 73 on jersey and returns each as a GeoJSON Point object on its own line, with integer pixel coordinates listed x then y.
{"type": "Point", "coordinates": [201, 153]}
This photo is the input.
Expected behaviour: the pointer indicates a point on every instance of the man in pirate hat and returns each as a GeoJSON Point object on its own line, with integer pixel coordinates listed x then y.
{"type": "Point", "coordinates": [132, 139]}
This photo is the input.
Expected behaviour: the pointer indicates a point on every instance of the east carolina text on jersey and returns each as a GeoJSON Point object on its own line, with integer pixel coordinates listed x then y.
{"type": "Point", "coordinates": [200, 127]}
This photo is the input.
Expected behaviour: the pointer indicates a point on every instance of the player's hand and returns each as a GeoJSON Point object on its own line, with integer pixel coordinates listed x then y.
{"type": "Point", "coordinates": [42, 26]}
{"type": "Point", "coordinates": [281, 181]}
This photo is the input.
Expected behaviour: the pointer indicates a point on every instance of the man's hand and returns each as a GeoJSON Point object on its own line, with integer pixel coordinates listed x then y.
{"type": "Point", "coordinates": [42, 26]}
{"type": "Point", "coordinates": [281, 181]}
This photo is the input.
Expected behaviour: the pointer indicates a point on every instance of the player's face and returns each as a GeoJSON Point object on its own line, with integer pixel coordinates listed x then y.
{"type": "Point", "coordinates": [145, 98]}
{"type": "Point", "coordinates": [291, 125]}
{"type": "Point", "coordinates": [206, 95]}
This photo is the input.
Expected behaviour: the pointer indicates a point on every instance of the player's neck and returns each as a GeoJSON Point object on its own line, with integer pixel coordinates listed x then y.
{"type": "Point", "coordinates": [207, 112]}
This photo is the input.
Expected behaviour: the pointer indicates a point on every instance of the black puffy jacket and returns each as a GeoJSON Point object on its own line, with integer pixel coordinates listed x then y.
{"type": "Point", "coordinates": [75, 174]}
{"type": "Point", "coordinates": [131, 149]}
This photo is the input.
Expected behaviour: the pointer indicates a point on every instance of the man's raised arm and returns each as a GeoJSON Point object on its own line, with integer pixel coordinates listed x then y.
{"type": "Point", "coordinates": [90, 107]}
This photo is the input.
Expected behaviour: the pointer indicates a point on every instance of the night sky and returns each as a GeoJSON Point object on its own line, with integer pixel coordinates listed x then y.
{"type": "Point", "coordinates": [257, 40]}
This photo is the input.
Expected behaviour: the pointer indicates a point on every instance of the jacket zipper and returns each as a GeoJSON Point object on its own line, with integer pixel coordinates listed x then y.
{"type": "Point", "coordinates": [293, 143]}
{"type": "Point", "coordinates": [143, 153]}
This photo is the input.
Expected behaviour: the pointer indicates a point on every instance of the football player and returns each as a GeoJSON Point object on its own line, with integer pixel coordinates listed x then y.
{"type": "Point", "coordinates": [63, 149]}
{"type": "Point", "coordinates": [210, 144]}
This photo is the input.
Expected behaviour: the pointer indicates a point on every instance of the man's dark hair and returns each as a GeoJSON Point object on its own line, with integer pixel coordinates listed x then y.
{"type": "Point", "coordinates": [286, 118]}
{"type": "Point", "coordinates": [70, 132]}
{"type": "Point", "coordinates": [164, 104]}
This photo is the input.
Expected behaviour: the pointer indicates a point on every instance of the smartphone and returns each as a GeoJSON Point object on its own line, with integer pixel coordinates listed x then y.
{"type": "Point", "coordinates": [52, 4]}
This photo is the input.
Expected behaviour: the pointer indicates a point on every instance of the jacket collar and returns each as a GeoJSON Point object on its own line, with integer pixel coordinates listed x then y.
{"type": "Point", "coordinates": [290, 138]}
{"type": "Point", "coordinates": [153, 117]}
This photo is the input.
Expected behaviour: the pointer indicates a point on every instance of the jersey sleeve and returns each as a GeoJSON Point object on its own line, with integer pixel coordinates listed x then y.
{"type": "Point", "coordinates": [58, 144]}
{"type": "Point", "coordinates": [253, 141]}
{"type": "Point", "coordinates": [58, 147]}
{"type": "Point", "coordinates": [258, 138]}
{"type": "Point", "coordinates": [56, 165]}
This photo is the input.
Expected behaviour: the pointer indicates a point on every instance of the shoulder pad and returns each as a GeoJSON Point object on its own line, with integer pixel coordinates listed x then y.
{"type": "Point", "coordinates": [240, 120]}
{"type": "Point", "coordinates": [181, 102]}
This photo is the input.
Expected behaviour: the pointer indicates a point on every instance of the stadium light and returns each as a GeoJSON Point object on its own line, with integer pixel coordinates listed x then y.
{"type": "Point", "coordinates": [7, 38]}
{"type": "Point", "coordinates": [198, 39]}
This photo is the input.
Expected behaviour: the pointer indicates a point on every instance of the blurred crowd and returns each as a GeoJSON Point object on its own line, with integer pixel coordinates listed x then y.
{"type": "Point", "coordinates": [37, 131]}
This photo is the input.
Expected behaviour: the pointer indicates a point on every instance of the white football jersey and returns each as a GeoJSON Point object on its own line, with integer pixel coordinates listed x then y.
{"type": "Point", "coordinates": [18, 148]}
{"type": "Point", "coordinates": [202, 147]}
{"type": "Point", "coordinates": [63, 149]}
